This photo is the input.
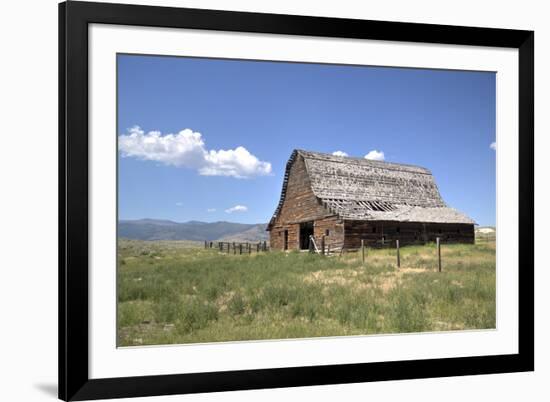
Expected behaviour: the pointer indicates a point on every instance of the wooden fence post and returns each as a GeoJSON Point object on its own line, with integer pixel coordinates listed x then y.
{"type": "Point", "coordinates": [234, 248]}
{"type": "Point", "coordinates": [363, 250]}
{"type": "Point", "coordinates": [210, 244]}
{"type": "Point", "coordinates": [249, 246]}
{"type": "Point", "coordinates": [398, 257]}
{"type": "Point", "coordinates": [258, 247]}
{"type": "Point", "coordinates": [323, 245]}
{"type": "Point", "coordinates": [240, 248]}
{"type": "Point", "coordinates": [438, 253]}
{"type": "Point", "coordinates": [310, 245]}
{"type": "Point", "coordinates": [265, 245]}
{"type": "Point", "coordinates": [205, 244]}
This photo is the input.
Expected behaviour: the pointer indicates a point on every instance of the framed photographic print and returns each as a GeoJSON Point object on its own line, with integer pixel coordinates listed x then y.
{"type": "Point", "coordinates": [257, 200]}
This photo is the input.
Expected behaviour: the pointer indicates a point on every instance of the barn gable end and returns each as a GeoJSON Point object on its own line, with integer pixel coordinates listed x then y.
{"type": "Point", "coordinates": [298, 205]}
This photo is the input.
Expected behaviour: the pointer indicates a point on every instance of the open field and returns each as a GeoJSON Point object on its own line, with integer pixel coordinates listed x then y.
{"type": "Point", "coordinates": [178, 292]}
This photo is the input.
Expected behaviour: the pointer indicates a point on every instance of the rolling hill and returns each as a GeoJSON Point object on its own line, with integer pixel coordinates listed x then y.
{"type": "Point", "coordinates": [156, 229]}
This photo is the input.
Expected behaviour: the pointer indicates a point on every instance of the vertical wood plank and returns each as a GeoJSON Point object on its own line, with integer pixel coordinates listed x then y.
{"type": "Point", "coordinates": [438, 243]}
{"type": "Point", "coordinates": [398, 256]}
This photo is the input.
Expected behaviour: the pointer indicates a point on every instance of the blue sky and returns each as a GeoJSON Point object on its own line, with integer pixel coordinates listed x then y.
{"type": "Point", "coordinates": [205, 139]}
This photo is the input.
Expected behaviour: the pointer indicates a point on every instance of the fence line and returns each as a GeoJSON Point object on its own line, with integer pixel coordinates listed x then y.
{"type": "Point", "coordinates": [486, 238]}
{"type": "Point", "coordinates": [237, 247]}
{"type": "Point", "coordinates": [325, 249]}
{"type": "Point", "coordinates": [438, 243]}
{"type": "Point", "coordinates": [392, 243]}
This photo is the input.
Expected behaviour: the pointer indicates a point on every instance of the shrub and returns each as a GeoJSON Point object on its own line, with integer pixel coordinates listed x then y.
{"type": "Point", "coordinates": [167, 311]}
{"type": "Point", "coordinates": [195, 315]}
{"type": "Point", "coordinates": [405, 313]}
{"type": "Point", "coordinates": [134, 313]}
{"type": "Point", "coordinates": [237, 305]}
{"type": "Point", "coordinates": [279, 296]}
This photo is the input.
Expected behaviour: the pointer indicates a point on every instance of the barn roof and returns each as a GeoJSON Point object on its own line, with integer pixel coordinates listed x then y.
{"type": "Point", "coordinates": [362, 189]}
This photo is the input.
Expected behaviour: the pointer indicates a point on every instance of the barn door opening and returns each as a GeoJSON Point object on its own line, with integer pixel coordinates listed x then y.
{"type": "Point", "coordinates": [306, 230]}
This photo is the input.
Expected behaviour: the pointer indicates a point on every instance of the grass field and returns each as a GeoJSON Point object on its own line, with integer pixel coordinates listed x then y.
{"type": "Point", "coordinates": [178, 292]}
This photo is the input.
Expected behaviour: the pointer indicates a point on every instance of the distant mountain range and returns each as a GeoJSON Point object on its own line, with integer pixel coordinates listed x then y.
{"type": "Point", "coordinates": [158, 229]}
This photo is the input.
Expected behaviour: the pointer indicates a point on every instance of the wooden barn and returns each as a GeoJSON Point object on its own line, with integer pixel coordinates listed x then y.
{"type": "Point", "coordinates": [348, 199]}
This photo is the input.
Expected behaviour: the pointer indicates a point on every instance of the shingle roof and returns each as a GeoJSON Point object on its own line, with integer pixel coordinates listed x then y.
{"type": "Point", "coordinates": [359, 179]}
{"type": "Point", "coordinates": [362, 189]}
{"type": "Point", "coordinates": [354, 210]}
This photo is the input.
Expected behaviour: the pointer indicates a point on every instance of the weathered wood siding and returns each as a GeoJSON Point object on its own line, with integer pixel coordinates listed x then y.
{"type": "Point", "coordinates": [300, 205]}
{"type": "Point", "coordinates": [407, 232]}
{"type": "Point", "coordinates": [276, 237]}
{"type": "Point", "coordinates": [335, 228]}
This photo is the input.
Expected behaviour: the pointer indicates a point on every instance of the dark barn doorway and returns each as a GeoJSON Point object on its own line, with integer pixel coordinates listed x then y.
{"type": "Point", "coordinates": [306, 230]}
{"type": "Point", "coordinates": [285, 242]}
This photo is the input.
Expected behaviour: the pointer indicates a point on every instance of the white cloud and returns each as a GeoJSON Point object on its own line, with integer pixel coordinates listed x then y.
{"type": "Point", "coordinates": [187, 149]}
{"type": "Point", "coordinates": [339, 153]}
{"type": "Point", "coordinates": [236, 208]}
{"type": "Point", "coordinates": [493, 146]}
{"type": "Point", "coordinates": [211, 210]}
{"type": "Point", "coordinates": [375, 155]}
{"type": "Point", "coordinates": [179, 204]}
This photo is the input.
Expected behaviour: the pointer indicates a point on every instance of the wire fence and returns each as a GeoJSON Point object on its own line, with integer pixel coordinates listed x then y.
{"type": "Point", "coordinates": [319, 246]}
{"type": "Point", "coordinates": [486, 238]}
{"type": "Point", "coordinates": [237, 247]}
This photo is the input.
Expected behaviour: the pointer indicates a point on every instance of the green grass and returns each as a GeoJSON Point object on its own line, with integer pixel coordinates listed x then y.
{"type": "Point", "coordinates": [178, 292]}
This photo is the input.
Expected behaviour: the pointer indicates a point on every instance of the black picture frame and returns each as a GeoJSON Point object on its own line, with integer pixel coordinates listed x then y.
{"type": "Point", "coordinates": [74, 381]}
